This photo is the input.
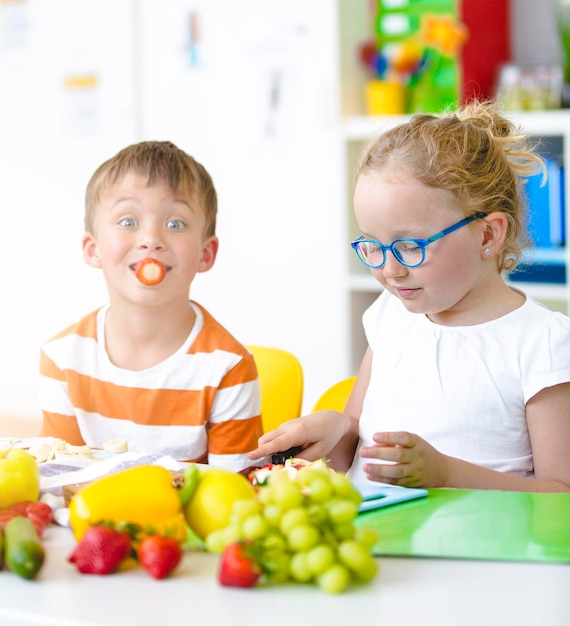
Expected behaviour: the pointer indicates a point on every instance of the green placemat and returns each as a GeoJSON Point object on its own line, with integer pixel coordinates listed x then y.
{"type": "Point", "coordinates": [491, 525]}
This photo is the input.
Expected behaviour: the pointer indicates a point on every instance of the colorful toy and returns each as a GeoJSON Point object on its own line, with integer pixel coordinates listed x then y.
{"type": "Point", "coordinates": [422, 56]}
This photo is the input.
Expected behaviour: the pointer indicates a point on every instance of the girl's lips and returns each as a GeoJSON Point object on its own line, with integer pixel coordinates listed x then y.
{"type": "Point", "coordinates": [406, 292]}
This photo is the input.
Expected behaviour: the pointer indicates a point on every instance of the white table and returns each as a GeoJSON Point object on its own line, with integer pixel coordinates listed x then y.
{"type": "Point", "coordinates": [406, 591]}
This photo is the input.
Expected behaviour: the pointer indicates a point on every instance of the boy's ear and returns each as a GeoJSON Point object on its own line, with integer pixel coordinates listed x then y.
{"type": "Point", "coordinates": [209, 252]}
{"type": "Point", "coordinates": [90, 250]}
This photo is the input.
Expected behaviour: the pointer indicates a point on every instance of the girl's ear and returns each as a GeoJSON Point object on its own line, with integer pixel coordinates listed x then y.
{"type": "Point", "coordinates": [90, 254]}
{"type": "Point", "coordinates": [209, 253]}
{"type": "Point", "coordinates": [494, 234]}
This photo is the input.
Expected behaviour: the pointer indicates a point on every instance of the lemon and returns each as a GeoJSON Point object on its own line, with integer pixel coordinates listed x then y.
{"type": "Point", "coordinates": [210, 506]}
{"type": "Point", "coordinates": [19, 477]}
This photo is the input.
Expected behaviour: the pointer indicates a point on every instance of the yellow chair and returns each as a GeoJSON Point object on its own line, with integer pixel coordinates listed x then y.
{"type": "Point", "coordinates": [281, 382]}
{"type": "Point", "coordinates": [336, 397]}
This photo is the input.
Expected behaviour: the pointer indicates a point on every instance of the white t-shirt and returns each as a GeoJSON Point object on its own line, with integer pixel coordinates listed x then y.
{"type": "Point", "coordinates": [462, 388]}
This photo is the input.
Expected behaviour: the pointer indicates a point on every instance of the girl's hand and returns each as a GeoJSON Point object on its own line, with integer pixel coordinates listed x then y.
{"type": "Point", "coordinates": [317, 433]}
{"type": "Point", "coordinates": [412, 462]}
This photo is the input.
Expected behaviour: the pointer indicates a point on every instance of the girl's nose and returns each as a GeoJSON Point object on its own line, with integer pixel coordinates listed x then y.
{"type": "Point", "coordinates": [392, 268]}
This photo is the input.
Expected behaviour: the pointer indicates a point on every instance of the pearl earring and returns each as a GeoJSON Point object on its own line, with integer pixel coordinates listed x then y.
{"type": "Point", "coordinates": [487, 251]}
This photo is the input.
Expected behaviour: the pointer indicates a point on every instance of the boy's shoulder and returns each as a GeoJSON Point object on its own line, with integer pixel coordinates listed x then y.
{"type": "Point", "coordinates": [85, 327]}
{"type": "Point", "coordinates": [214, 336]}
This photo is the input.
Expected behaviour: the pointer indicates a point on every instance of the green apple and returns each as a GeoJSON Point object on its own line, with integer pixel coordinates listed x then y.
{"type": "Point", "coordinates": [19, 477]}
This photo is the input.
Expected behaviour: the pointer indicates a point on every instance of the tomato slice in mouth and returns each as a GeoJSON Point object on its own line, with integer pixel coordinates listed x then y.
{"type": "Point", "coordinates": [150, 271]}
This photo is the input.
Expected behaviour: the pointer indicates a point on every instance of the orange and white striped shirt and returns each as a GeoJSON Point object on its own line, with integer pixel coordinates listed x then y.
{"type": "Point", "coordinates": [201, 404]}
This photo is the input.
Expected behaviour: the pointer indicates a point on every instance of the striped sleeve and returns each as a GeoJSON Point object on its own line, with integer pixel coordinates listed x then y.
{"type": "Point", "coordinates": [58, 413]}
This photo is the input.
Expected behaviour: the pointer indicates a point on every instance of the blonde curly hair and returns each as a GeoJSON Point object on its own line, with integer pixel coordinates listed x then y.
{"type": "Point", "coordinates": [476, 153]}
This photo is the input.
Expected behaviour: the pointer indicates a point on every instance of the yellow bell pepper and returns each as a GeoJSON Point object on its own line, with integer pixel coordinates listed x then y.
{"type": "Point", "coordinates": [142, 495]}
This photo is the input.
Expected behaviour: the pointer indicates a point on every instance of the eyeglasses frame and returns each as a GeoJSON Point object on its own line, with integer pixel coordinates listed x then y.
{"type": "Point", "coordinates": [421, 243]}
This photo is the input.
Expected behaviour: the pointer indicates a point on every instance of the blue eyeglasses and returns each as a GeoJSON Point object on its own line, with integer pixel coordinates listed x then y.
{"type": "Point", "coordinates": [408, 252]}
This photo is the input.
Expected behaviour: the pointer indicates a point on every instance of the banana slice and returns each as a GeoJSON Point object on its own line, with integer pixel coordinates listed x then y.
{"type": "Point", "coordinates": [56, 443]}
{"type": "Point", "coordinates": [83, 449]}
{"type": "Point", "coordinates": [45, 448]}
{"type": "Point", "coordinates": [42, 452]}
{"type": "Point", "coordinates": [116, 446]}
{"type": "Point", "coordinates": [65, 455]}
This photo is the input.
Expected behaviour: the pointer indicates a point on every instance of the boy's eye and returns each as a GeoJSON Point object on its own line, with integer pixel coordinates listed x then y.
{"type": "Point", "coordinates": [127, 222]}
{"type": "Point", "coordinates": [175, 224]}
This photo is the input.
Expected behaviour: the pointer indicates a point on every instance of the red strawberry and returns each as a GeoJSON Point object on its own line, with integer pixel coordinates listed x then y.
{"type": "Point", "coordinates": [238, 568]}
{"type": "Point", "coordinates": [38, 523]}
{"type": "Point", "coordinates": [100, 550]}
{"type": "Point", "coordinates": [20, 507]}
{"type": "Point", "coordinates": [159, 555]}
{"type": "Point", "coordinates": [39, 513]}
{"type": "Point", "coordinates": [6, 515]}
{"type": "Point", "coordinates": [40, 510]}
{"type": "Point", "coordinates": [150, 272]}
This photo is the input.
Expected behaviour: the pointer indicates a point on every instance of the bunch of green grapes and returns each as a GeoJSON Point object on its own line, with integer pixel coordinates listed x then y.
{"type": "Point", "coordinates": [302, 528]}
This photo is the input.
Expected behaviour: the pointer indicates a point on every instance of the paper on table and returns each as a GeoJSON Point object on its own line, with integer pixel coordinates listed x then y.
{"type": "Point", "coordinates": [54, 476]}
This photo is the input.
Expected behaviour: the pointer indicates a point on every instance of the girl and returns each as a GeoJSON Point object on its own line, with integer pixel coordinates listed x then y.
{"type": "Point", "coordinates": [466, 380]}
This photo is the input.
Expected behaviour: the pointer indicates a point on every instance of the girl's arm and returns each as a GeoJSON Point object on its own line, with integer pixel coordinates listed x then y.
{"type": "Point", "coordinates": [548, 419]}
{"type": "Point", "coordinates": [325, 434]}
{"type": "Point", "coordinates": [342, 455]}
{"type": "Point", "coordinates": [415, 463]}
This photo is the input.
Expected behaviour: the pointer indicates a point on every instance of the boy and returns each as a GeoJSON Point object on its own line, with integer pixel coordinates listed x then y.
{"type": "Point", "coordinates": [152, 367]}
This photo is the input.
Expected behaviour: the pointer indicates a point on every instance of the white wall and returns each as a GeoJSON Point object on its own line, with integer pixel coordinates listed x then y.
{"type": "Point", "coordinates": [51, 138]}
{"type": "Point", "coordinates": [276, 166]}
